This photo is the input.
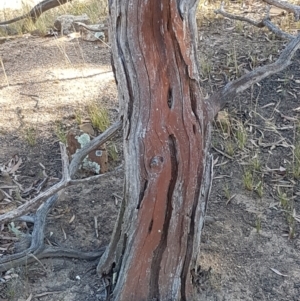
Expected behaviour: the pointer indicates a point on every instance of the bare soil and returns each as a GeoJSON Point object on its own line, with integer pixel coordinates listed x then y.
{"type": "Point", "coordinates": [248, 250]}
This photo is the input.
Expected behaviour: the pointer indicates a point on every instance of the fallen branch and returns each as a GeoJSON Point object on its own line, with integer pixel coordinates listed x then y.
{"type": "Point", "coordinates": [37, 10]}
{"type": "Point", "coordinates": [92, 145]}
{"type": "Point", "coordinates": [90, 27]}
{"type": "Point", "coordinates": [57, 79]}
{"type": "Point", "coordinates": [67, 174]}
{"type": "Point", "coordinates": [38, 249]}
{"type": "Point", "coordinates": [229, 91]}
{"type": "Point", "coordinates": [295, 9]}
{"type": "Point", "coordinates": [266, 22]}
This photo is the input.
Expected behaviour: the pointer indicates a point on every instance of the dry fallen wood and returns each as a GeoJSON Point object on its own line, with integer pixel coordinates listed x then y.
{"type": "Point", "coordinates": [92, 145]}
{"type": "Point", "coordinates": [265, 22]}
{"type": "Point", "coordinates": [229, 91]}
{"type": "Point", "coordinates": [67, 173]}
{"type": "Point", "coordinates": [295, 9]}
{"type": "Point", "coordinates": [37, 10]}
{"type": "Point", "coordinates": [37, 248]}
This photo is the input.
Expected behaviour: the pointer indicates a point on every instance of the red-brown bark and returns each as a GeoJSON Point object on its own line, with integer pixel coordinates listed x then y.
{"type": "Point", "coordinates": [153, 253]}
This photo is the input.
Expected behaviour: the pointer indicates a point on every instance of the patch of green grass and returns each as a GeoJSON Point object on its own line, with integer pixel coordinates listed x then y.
{"type": "Point", "coordinates": [255, 163]}
{"type": "Point", "coordinates": [223, 122]}
{"type": "Point", "coordinates": [78, 117]}
{"type": "Point", "coordinates": [296, 162]}
{"type": "Point", "coordinates": [227, 192]}
{"type": "Point", "coordinates": [113, 151]}
{"type": "Point", "coordinates": [248, 180]}
{"type": "Point", "coordinates": [258, 224]}
{"type": "Point", "coordinates": [30, 136]}
{"type": "Point", "coordinates": [229, 148]}
{"type": "Point", "coordinates": [259, 189]}
{"type": "Point", "coordinates": [99, 117]}
{"type": "Point", "coordinates": [60, 132]}
{"type": "Point", "coordinates": [287, 205]}
{"type": "Point", "coordinates": [93, 8]}
{"type": "Point", "coordinates": [241, 136]}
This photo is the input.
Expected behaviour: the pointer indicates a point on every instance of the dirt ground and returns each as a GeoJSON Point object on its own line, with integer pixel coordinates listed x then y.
{"type": "Point", "coordinates": [250, 245]}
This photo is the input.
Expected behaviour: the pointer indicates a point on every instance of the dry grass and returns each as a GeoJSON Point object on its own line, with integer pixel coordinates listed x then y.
{"type": "Point", "coordinates": [99, 117]}
{"type": "Point", "coordinates": [95, 9]}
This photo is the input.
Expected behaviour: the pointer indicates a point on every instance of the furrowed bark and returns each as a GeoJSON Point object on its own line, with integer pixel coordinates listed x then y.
{"type": "Point", "coordinates": [155, 245]}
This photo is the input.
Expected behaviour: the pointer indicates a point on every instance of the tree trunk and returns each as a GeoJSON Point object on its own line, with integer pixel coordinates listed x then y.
{"type": "Point", "coordinates": [153, 254]}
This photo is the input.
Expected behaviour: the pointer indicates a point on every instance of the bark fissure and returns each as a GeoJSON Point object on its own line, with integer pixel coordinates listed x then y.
{"type": "Point", "coordinates": [170, 98]}
{"type": "Point", "coordinates": [191, 234]}
{"type": "Point", "coordinates": [158, 252]}
{"type": "Point", "coordinates": [142, 193]}
{"type": "Point", "coordinates": [164, 148]}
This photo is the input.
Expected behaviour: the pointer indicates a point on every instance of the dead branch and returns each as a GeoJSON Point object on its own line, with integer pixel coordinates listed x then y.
{"type": "Point", "coordinates": [67, 173]}
{"type": "Point", "coordinates": [295, 9]}
{"type": "Point", "coordinates": [265, 22]}
{"type": "Point", "coordinates": [89, 27]}
{"type": "Point", "coordinates": [229, 91]}
{"type": "Point", "coordinates": [53, 80]}
{"type": "Point", "coordinates": [37, 248]}
{"type": "Point", "coordinates": [92, 145]}
{"type": "Point", "coordinates": [37, 10]}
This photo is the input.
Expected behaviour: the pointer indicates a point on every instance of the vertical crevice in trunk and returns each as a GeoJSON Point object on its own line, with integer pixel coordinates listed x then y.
{"type": "Point", "coordinates": [142, 193]}
{"type": "Point", "coordinates": [158, 253]}
{"type": "Point", "coordinates": [156, 241]}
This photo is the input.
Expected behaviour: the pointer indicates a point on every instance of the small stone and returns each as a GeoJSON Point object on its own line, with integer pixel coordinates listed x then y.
{"type": "Point", "coordinates": [87, 128]}
{"type": "Point", "coordinates": [94, 162]}
{"type": "Point", "coordinates": [67, 23]}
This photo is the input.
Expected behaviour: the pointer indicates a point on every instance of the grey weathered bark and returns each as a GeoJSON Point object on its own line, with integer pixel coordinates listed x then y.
{"type": "Point", "coordinates": [153, 254]}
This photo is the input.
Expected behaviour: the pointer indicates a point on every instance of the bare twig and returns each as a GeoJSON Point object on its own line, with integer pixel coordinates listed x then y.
{"type": "Point", "coordinates": [94, 28]}
{"type": "Point", "coordinates": [96, 226]}
{"type": "Point", "coordinates": [37, 10]}
{"type": "Point", "coordinates": [67, 173]}
{"type": "Point", "coordinates": [37, 249]}
{"type": "Point", "coordinates": [295, 9]}
{"type": "Point", "coordinates": [82, 153]}
{"type": "Point", "coordinates": [229, 91]}
{"type": "Point", "coordinates": [266, 22]}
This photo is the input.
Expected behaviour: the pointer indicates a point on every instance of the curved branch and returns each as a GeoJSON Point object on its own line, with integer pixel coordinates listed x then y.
{"type": "Point", "coordinates": [295, 9]}
{"type": "Point", "coordinates": [266, 22]}
{"type": "Point", "coordinates": [229, 91]}
{"type": "Point", "coordinates": [222, 12]}
{"type": "Point", "coordinates": [67, 173]}
{"type": "Point", "coordinates": [37, 10]}
{"type": "Point", "coordinates": [92, 145]}
{"type": "Point", "coordinates": [37, 248]}
{"type": "Point", "coordinates": [37, 241]}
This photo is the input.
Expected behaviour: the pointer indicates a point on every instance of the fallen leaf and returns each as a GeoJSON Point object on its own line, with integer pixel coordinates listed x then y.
{"type": "Point", "coordinates": [72, 219]}
{"type": "Point", "coordinates": [16, 166]}
{"type": "Point", "coordinates": [29, 298]}
{"type": "Point", "coordinates": [278, 273]}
